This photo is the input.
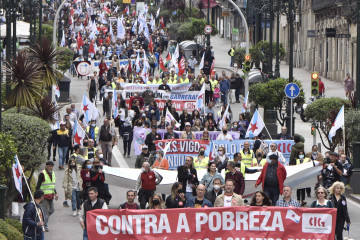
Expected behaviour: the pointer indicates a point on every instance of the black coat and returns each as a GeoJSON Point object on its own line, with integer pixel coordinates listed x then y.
{"type": "Point", "coordinates": [183, 120]}
{"type": "Point", "coordinates": [211, 196]}
{"type": "Point", "coordinates": [184, 176]}
{"type": "Point", "coordinates": [341, 206]}
{"type": "Point", "coordinates": [174, 203]}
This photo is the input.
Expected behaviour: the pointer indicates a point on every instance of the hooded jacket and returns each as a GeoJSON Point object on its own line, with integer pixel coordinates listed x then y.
{"type": "Point", "coordinates": [30, 220]}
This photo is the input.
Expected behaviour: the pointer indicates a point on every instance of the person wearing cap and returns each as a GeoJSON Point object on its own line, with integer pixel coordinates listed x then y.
{"type": "Point", "coordinates": [160, 162]}
{"type": "Point", "coordinates": [145, 156]}
{"type": "Point", "coordinates": [187, 134]}
{"type": "Point", "coordinates": [332, 171]}
{"type": "Point", "coordinates": [192, 62]}
{"type": "Point", "coordinates": [272, 178]}
{"type": "Point", "coordinates": [62, 140]}
{"type": "Point", "coordinates": [151, 138]}
{"type": "Point", "coordinates": [46, 183]}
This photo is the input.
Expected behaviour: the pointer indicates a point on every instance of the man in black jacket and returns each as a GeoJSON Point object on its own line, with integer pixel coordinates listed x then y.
{"type": "Point", "coordinates": [170, 134]}
{"type": "Point", "coordinates": [151, 137]}
{"type": "Point", "coordinates": [33, 220]}
{"type": "Point", "coordinates": [187, 175]}
{"type": "Point", "coordinates": [216, 191]}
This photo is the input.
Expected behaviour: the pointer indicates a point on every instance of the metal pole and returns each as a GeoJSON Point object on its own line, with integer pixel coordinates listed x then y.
{"type": "Point", "coordinates": [291, 115]}
{"type": "Point", "coordinates": [208, 22]}
{"type": "Point", "coordinates": [190, 8]}
{"type": "Point", "coordinates": [271, 38]}
{"type": "Point", "coordinates": [8, 46]}
{"type": "Point", "coordinates": [55, 21]}
{"type": "Point", "coordinates": [247, 37]}
{"type": "Point", "coordinates": [14, 32]}
{"type": "Point", "coordinates": [277, 63]}
{"type": "Point", "coordinates": [358, 58]}
{"type": "Point", "coordinates": [40, 18]}
{"type": "Point", "coordinates": [31, 25]}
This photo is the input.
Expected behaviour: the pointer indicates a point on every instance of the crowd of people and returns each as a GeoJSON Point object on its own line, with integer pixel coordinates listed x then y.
{"type": "Point", "coordinates": [224, 183]}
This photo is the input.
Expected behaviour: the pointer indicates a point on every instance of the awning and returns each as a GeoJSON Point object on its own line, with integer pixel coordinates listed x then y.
{"type": "Point", "coordinates": [22, 29]}
{"type": "Point", "coordinates": [212, 3]}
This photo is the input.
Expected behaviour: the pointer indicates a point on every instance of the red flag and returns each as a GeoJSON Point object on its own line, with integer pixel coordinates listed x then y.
{"type": "Point", "coordinates": [212, 72]}
{"type": "Point", "coordinates": [151, 46]}
{"type": "Point", "coordinates": [126, 10]}
{"type": "Point", "coordinates": [79, 40]}
{"type": "Point", "coordinates": [86, 20]}
{"type": "Point", "coordinates": [107, 10]}
{"type": "Point", "coordinates": [72, 11]}
{"type": "Point", "coordinates": [168, 57]}
{"type": "Point", "coordinates": [91, 47]}
{"type": "Point", "coordinates": [134, 13]}
{"type": "Point", "coordinates": [71, 20]}
{"type": "Point", "coordinates": [162, 22]}
{"type": "Point", "coordinates": [129, 67]}
{"type": "Point", "coordinates": [181, 66]}
{"type": "Point", "coordinates": [162, 67]}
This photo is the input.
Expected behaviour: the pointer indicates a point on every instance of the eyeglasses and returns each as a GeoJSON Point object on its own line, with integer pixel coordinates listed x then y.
{"type": "Point", "coordinates": [321, 193]}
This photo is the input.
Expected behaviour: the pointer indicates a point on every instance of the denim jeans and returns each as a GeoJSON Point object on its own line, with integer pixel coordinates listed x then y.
{"type": "Point", "coordinates": [189, 195]}
{"type": "Point", "coordinates": [85, 236]}
{"type": "Point", "coordinates": [75, 200]}
{"type": "Point", "coordinates": [62, 155]}
{"type": "Point", "coordinates": [41, 237]}
{"type": "Point", "coordinates": [48, 209]}
{"type": "Point", "coordinates": [224, 98]}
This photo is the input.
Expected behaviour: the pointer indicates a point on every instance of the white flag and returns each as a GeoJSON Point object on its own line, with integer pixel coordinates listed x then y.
{"type": "Point", "coordinates": [200, 98]}
{"type": "Point", "coordinates": [120, 29]}
{"type": "Point", "coordinates": [339, 123]}
{"type": "Point", "coordinates": [78, 133]}
{"type": "Point", "coordinates": [201, 65]}
{"type": "Point", "coordinates": [256, 125]}
{"type": "Point", "coordinates": [62, 44]}
{"type": "Point", "coordinates": [89, 110]}
{"type": "Point", "coordinates": [223, 119]}
{"type": "Point", "coordinates": [137, 63]}
{"type": "Point", "coordinates": [158, 13]}
{"type": "Point", "coordinates": [177, 53]}
{"type": "Point", "coordinates": [169, 117]}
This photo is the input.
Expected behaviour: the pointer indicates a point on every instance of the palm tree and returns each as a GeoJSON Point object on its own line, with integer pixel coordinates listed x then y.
{"type": "Point", "coordinates": [45, 109]}
{"type": "Point", "coordinates": [26, 87]}
{"type": "Point", "coordinates": [44, 54]}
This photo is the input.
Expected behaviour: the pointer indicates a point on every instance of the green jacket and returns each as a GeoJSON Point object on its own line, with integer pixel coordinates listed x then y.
{"type": "Point", "coordinates": [295, 150]}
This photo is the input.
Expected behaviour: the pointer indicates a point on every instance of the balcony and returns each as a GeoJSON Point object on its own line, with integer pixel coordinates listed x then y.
{"type": "Point", "coordinates": [318, 5]}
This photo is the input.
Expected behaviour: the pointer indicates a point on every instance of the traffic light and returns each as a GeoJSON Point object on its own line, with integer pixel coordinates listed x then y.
{"type": "Point", "coordinates": [315, 84]}
{"type": "Point", "coordinates": [313, 130]}
{"type": "Point", "coordinates": [247, 63]}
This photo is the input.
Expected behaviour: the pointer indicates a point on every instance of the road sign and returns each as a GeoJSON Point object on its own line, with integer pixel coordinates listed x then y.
{"type": "Point", "coordinates": [292, 90]}
{"type": "Point", "coordinates": [235, 31]}
{"type": "Point", "coordinates": [208, 29]}
{"type": "Point", "coordinates": [311, 33]}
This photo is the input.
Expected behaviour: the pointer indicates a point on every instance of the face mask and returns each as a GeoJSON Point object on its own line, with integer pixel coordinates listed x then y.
{"type": "Point", "coordinates": [216, 187]}
{"type": "Point", "coordinates": [156, 202]}
{"type": "Point", "coordinates": [259, 154]}
{"type": "Point", "coordinates": [235, 126]}
{"type": "Point", "coordinates": [157, 156]}
{"type": "Point", "coordinates": [301, 156]}
{"type": "Point", "coordinates": [143, 169]}
{"type": "Point", "coordinates": [144, 115]}
{"type": "Point", "coordinates": [225, 131]}
{"type": "Point", "coordinates": [314, 153]}
{"type": "Point", "coordinates": [101, 155]}
{"type": "Point", "coordinates": [72, 164]}
{"type": "Point", "coordinates": [97, 166]}
{"type": "Point", "coordinates": [88, 166]}
{"type": "Point", "coordinates": [202, 152]}
{"type": "Point", "coordinates": [93, 125]}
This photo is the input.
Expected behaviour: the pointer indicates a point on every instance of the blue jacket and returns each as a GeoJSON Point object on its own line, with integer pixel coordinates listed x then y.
{"type": "Point", "coordinates": [224, 86]}
{"type": "Point", "coordinates": [30, 220]}
{"type": "Point", "coordinates": [191, 203]}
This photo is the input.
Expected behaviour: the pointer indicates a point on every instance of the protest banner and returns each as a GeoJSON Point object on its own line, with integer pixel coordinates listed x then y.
{"type": "Point", "coordinates": [175, 88]}
{"type": "Point", "coordinates": [198, 135]}
{"type": "Point", "coordinates": [232, 147]}
{"type": "Point", "coordinates": [139, 138]}
{"type": "Point", "coordinates": [235, 223]}
{"type": "Point", "coordinates": [122, 63]}
{"type": "Point", "coordinates": [179, 149]}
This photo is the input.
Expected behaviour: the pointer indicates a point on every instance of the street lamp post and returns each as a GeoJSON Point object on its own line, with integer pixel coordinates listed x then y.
{"type": "Point", "coordinates": [271, 39]}
{"type": "Point", "coordinates": [277, 62]}
{"type": "Point", "coordinates": [40, 18]}
{"type": "Point", "coordinates": [208, 22]}
{"type": "Point", "coordinates": [9, 6]}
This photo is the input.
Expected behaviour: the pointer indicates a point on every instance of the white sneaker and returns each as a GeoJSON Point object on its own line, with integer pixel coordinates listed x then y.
{"type": "Point", "coordinates": [78, 212]}
{"type": "Point", "coordinates": [74, 213]}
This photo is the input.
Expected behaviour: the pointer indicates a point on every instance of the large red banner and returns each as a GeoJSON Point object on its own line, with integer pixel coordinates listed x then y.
{"type": "Point", "coordinates": [241, 223]}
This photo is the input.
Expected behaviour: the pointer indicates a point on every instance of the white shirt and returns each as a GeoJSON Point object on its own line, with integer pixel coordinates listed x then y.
{"type": "Point", "coordinates": [280, 155]}
{"type": "Point", "coordinates": [224, 137]}
{"type": "Point", "coordinates": [227, 200]}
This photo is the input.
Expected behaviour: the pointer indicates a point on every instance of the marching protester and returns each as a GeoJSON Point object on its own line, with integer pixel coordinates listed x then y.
{"type": "Point", "coordinates": [146, 184]}
{"type": "Point", "coordinates": [199, 201]}
{"type": "Point", "coordinates": [229, 197]}
{"type": "Point", "coordinates": [93, 202]}
{"type": "Point", "coordinates": [321, 201]}
{"type": "Point", "coordinates": [237, 177]}
{"type": "Point", "coordinates": [215, 192]}
{"type": "Point", "coordinates": [160, 161]}
{"type": "Point", "coordinates": [46, 183]}
{"type": "Point", "coordinates": [187, 176]}
{"type": "Point", "coordinates": [260, 199]}
{"type": "Point", "coordinates": [33, 219]}
{"type": "Point", "coordinates": [272, 178]}
{"type": "Point", "coordinates": [86, 178]}
{"type": "Point", "coordinates": [221, 159]}
{"type": "Point", "coordinates": [156, 202]}
{"type": "Point", "coordinates": [61, 141]}
{"type": "Point", "coordinates": [287, 201]}
{"type": "Point", "coordinates": [212, 173]}
{"type": "Point", "coordinates": [332, 171]}
{"type": "Point", "coordinates": [274, 151]}
{"type": "Point", "coordinates": [145, 156]}
{"type": "Point", "coordinates": [177, 197]}
{"type": "Point", "coordinates": [201, 161]}
{"type": "Point", "coordinates": [300, 193]}
{"type": "Point", "coordinates": [130, 203]}
{"type": "Point", "coordinates": [107, 139]}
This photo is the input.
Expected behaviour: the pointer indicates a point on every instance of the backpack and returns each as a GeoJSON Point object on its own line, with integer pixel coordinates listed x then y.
{"type": "Point", "coordinates": [265, 147]}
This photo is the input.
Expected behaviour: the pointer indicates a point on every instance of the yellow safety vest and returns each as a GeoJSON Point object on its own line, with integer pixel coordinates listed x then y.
{"type": "Point", "coordinates": [247, 159]}
{"type": "Point", "coordinates": [113, 85]}
{"type": "Point", "coordinates": [202, 80]}
{"type": "Point", "coordinates": [186, 80]}
{"type": "Point", "coordinates": [201, 165]}
{"type": "Point", "coordinates": [232, 52]}
{"type": "Point", "coordinates": [160, 81]}
{"type": "Point", "coordinates": [255, 162]}
{"type": "Point", "coordinates": [87, 156]}
{"type": "Point", "coordinates": [172, 81]}
{"type": "Point", "coordinates": [305, 161]}
{"type": "Point", "coordinates": [48, 186]}
{"type": "Point", "coordinates": [96, 131]}
{"type": "Point", "coordinates": [213, 83]}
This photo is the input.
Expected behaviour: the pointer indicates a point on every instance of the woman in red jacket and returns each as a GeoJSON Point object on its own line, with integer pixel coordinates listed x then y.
{"type": "Point", "coordinates": [86, 179]}
{"type": "Point", "coordinates": [272, 178]}
{"type": "Point", "coordinates": [102, 67]}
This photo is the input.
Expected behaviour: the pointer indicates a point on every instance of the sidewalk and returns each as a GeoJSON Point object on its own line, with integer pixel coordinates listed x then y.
{"type": "Point", "coordinates": [332, 89]}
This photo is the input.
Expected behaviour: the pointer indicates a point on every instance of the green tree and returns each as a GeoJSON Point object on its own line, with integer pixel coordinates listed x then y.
{"type": "Point", "coordinates": [7, 153]}
{"type": "Point", "coordinates": [324, 111]}
{"type": "Point", "coordinates": [64, 58]}
{"type": "Point", "coordinates": [271, 95]}
{"type": "Point", "coordinates": [47, 32]}
{"type": "Point", "coordinates": [26, 86]}
{"type": "Point", "coordinates": [352, 128]}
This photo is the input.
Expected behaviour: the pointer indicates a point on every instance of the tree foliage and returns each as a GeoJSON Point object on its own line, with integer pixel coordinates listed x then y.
{"type": "Point", "coordinates": [271, 95]}
{"type": "Point", "coordinates": [352, 128]}
{"type": "Point", "coordinates": [64, 58]}
{"type": "Point", "coordinates": [7, 153]}
{"type": "Point", "coordinates": [324, 111]}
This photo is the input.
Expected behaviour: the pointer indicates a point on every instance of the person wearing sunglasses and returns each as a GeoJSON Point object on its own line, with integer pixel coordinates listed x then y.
{"type": "Point", "coordinates": [321, 199]}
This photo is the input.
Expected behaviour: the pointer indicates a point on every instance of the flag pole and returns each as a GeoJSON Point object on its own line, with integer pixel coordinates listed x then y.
{"type": "Point", "coordinates": [32, 198]}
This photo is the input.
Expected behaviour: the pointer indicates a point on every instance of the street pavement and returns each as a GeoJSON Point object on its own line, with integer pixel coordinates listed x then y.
{"type": "Point", "coordinates": [63, 225]}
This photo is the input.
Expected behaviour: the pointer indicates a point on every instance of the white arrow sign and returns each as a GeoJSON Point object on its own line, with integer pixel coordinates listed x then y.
{"type": "Point", "coordinates": [292, 89]}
